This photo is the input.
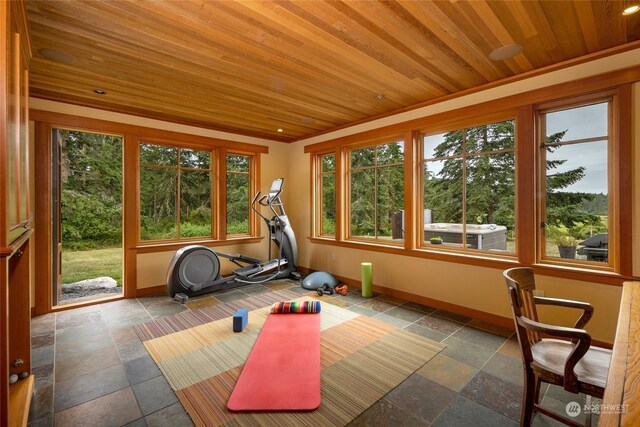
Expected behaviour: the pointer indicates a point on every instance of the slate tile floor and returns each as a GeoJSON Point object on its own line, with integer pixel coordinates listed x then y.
{"type": "Point", "coordinates": [92, 370]}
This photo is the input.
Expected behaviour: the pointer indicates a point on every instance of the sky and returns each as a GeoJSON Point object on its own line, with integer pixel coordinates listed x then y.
{"type": "Point", "coordinates": [582, 122]}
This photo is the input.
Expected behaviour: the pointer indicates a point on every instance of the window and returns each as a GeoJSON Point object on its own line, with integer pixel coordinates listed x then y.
{"type": "Point", "coordinates": [238, 187]}
{"type": "Point", "coordinates": [469, 188]}
{"type": "Point", "coordinates": [376, 190]}
{"type": "Point", "coordinates": [327, 195]}
{"type": "Point", "coordinates": [575, 182]}
{"type": "Point", "coordinates": [175, 193]}
{"type": "Point", "coordinates": [531, 183]}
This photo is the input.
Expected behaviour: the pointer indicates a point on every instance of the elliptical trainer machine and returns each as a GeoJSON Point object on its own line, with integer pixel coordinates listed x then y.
{"type": "Point", "coordinates": [195, 270]}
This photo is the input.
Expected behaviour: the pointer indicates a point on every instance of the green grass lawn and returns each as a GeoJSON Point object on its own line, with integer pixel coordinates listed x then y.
{"type": "Point", "coordinates": [81, 265]}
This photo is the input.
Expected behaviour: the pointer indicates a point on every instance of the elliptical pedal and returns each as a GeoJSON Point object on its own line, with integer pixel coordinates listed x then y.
{"type": "Point", "coordinates": [253, 270]}
{"type": "Point", "coordinates": [248, 271]}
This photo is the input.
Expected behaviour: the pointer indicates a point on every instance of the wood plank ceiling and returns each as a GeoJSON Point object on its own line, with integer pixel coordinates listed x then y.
{"type": "Point", "coordinates": [251, 67]}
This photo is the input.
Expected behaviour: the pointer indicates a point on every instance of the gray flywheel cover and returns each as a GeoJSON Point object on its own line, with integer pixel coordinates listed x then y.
{"type": "Point", "coordinates": [199, 267]}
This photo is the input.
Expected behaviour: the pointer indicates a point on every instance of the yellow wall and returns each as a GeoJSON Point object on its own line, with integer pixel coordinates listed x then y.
{"type": "Point", "coordinates": [473, 287]}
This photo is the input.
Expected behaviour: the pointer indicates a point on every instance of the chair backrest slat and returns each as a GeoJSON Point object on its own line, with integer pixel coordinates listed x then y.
{"type": "Point", "coordinates": [521, 284]}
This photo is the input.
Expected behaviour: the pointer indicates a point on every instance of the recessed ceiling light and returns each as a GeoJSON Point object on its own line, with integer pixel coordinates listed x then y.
{"type": "Point", "coordinates": [505, 52]}
{"type": "Point", "coordinates": [380, 96]}
{"type": "Point", "coordinates": [631, 9]}
{"type": "Point", "coordinates": [57, 56]}
{"type": "Point", "coordinates": [280, 130]}
{"type": "Point", "coordinates": [100, 92]}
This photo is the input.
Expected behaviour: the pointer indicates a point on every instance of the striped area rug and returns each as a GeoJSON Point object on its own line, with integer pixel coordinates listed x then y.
{"type": "Point", "coordinates": [201, 357]}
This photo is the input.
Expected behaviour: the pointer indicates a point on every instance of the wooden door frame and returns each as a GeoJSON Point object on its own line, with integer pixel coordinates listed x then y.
{"type": "Point", "coordinates": [42, 219]}
{"type": "Point", "coordinates": [44, 274]}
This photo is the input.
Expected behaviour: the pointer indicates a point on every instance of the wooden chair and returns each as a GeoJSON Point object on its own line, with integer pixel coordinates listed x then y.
{"type": "Point", "coordinates": [554, 354]}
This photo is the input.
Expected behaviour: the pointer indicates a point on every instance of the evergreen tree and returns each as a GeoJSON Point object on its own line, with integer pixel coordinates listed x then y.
{"type": "Point", "coordinates": [490, 179]}
{"type": "Point", "coordinates": [565, 208]}
{"type": "Point", "coordinates": [91, 176]}
{"type": "Point", "coordinates": [328, 194]}
{"type": "Point", "coordinates": [377, 188]}
{"type": "Point", "coordinates": [237, 194]}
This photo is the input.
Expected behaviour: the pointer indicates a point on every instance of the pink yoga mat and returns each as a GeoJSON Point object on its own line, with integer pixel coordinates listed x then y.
{"type": "Point", "coordinates": [282, 372]}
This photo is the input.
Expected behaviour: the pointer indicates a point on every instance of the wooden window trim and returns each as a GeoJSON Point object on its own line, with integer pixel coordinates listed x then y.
{"type": "Point", "coordinates": [218, 170]}
{"type": "Point", "coordinates": [346, 201]}
{"type": "Point", "coordinates": [45, 121]}
{"type": "Point", "coordinates": [317, 194]}
{"type": "Point", "coordinates": [617, 164]}
{"type": "Point", "coordinates": [464, 124]}
{"type": "Point", "coordinates": [253, 186]}
{"type": "Point", "coordinates": [522, 107]}
{"type": "Point", "coordinates": [179, 168]}
{"type": "Point", "coordinates": [575, 273]}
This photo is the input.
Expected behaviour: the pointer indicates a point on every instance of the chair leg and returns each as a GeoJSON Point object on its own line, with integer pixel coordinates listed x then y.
{"type": "Point", "coordinates": [529, 398]}
{"type": "Point", "coordinates": [538, 386]}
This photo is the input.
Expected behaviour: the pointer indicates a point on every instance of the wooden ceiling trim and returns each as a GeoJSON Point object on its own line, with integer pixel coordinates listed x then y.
{"type": "Point", "coordinates": [169, 119]}
{"type": "Point", "coordinates": [225, 122]}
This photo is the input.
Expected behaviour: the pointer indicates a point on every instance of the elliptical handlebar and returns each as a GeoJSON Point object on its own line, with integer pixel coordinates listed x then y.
{"type": "Point", "coordinates": [270, 200]}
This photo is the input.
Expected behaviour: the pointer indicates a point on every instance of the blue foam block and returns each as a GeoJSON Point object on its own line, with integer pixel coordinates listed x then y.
{"type": "Point", "coordinates": [240, 320]}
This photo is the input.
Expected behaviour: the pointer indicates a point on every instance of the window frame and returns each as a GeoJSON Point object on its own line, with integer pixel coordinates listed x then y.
{"type": "Point", "coordinates": [218, 173]}
{"type": "Point", "coordinates": [419, 191]}
{"type": "Point", "coordinates": [613, 161]}
{"type": "Point", "coordinates": [346, 161]}
{"type": "Point", "coordinates": [253, 185]}
{"type": "Point", "coordinates": [178, 167]}
{"type": "Point", "coordinates": [317, 200]}
{"type": "Point", "coordinates": [523, 107]}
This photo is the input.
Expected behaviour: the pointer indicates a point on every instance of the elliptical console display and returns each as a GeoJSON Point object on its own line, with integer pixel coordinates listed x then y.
{"type": "Point", "coordinates": [195, 269]}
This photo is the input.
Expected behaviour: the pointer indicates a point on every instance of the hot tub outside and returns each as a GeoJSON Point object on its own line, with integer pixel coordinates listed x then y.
{"type": "Point", "coordinates": [479, 236]}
